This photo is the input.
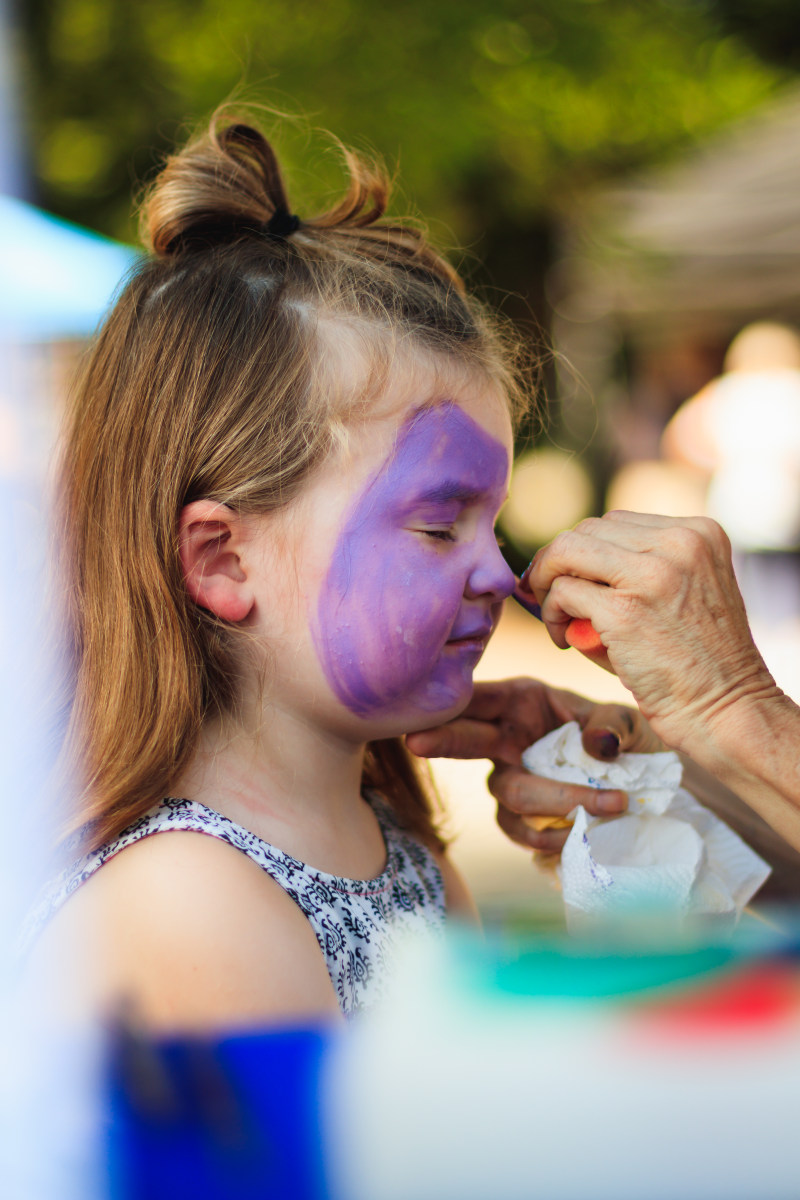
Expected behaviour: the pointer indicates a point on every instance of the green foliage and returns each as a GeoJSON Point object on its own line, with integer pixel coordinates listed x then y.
{"type": "Point", "coordinates": [770, 27]}
{"type": "Point", "coordinates": [498, 113]}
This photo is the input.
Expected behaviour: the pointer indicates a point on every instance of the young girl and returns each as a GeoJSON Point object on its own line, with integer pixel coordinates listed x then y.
{"type": "Point", "coordinates": [281, 473]}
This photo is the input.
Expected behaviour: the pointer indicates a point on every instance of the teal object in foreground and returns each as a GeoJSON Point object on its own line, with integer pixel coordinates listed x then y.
{"type": "Point", "coordinates": [564, 971]}
{"type": "Point", "coordinates": [627, 958]}
{"type": "Point", "coordinates": [56, 279]}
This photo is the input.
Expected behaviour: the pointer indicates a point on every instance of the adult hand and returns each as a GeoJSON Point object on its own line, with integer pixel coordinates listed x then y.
{"type": "Point", "coordinates": [661, 594]}
{"type": "Point", "coordinates": [503, 719]}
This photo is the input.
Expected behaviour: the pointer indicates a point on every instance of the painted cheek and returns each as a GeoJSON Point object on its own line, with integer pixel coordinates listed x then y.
{"type": "Point", "coordinates": [389, 599]}
{"type": "Point", "coordinates": [389, 616]}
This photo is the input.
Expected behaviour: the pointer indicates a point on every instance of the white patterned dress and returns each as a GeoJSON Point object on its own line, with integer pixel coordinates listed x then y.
{"type": "Point", "coordinates": [358, 923]}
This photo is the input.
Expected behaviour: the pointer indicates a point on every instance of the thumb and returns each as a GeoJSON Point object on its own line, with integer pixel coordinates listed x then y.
{"type": "Point", "coordinates": [611, 728]}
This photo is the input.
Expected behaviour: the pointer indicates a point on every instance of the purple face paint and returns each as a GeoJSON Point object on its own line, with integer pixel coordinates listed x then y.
{"type": "Point", "coordinates": [416, 580]}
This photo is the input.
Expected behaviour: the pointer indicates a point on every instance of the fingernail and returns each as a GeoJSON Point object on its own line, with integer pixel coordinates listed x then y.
{"type": "Point", "coordinates": [611, 802]}
{"type": "Point", "coordinates": [607, 743]}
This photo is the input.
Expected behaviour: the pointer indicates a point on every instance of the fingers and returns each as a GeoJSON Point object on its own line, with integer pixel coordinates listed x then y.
{"type": "Point", "coordinates": [504, 718]}
{"type": "Point", "coordinates": [501, 721]}
{"type": "Point", "coordinates": [570, 597]}
{"type": "Point", "coordinates": [655, 521]}
{"type": "Point", "coordinates": [462, 738]}
{"type": "Point", "coordinates": [673, 539]}
{"type": "Point", "coordinates": [603, 738]}
{"type": "Point", "coordinates": [548, 841]}
{"type": "Point", "coordinates": [607, 549]}
{"type": "Point", "coordinates": [526, 795]}
{"type": "Point", "coordinates": [622, 569]}
{"type": "Point", "coordinates": [582, 553]}
{"type": "Point", "coordinates": [522, 798]}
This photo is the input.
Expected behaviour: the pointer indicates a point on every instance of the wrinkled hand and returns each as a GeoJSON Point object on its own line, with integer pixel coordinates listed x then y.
{"type": "Point", "coordinates": [662, 595]}
{"type": "Point", "coordinates": [503, 719]}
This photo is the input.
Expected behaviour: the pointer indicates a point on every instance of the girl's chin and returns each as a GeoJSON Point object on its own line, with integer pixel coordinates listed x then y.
{"type": "Point", "coordinates": [374, 727]}
{"type": "Point", "coordinates": [424, 705]}
{"type": "Point", "coordinates": [440, 715]}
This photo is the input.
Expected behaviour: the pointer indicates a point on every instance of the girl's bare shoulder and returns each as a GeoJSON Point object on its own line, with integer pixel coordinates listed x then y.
{"type": "Point", "coordinates": [189, 933]}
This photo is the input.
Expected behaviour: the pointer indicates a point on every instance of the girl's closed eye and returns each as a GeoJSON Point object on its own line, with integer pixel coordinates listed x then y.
{"type": "Point", "coordinates": [442, 535]}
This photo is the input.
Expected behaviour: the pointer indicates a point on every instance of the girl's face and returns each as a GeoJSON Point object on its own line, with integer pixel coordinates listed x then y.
{"type": "Point", "coordinates": [400, 576]}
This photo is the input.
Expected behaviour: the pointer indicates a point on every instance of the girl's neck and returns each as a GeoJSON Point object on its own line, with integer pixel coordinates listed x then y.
{"type": "Point", "coordinates": [297, 787]}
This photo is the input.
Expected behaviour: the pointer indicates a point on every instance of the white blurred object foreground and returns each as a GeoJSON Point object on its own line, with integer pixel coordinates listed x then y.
{"type": "Point", "coordinates": [468, 1089]}
{"type": "Point", "coordinates": [48, 1085]}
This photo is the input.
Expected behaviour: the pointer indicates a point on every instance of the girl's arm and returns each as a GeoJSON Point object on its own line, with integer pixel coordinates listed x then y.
{"type": "Point", "coordinates": [183, 933]}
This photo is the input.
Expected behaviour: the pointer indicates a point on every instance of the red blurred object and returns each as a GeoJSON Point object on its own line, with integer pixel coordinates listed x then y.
{"type": "Point", "coordinates": [763, 999]}
{"type": "Point", "coordinates": [582, 635]}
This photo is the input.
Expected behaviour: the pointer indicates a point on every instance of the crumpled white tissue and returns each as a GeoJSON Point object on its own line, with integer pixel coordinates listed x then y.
{"type": "Point", "coordinates": [666, 854]}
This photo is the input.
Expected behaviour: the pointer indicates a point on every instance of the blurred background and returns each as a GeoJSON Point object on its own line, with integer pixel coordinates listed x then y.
{"type": "Point", "coordinates": [620, 177]}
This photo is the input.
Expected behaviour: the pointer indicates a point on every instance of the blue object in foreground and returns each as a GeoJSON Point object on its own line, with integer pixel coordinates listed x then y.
{"type": "Point", "coordinates": [56, 279]}
{"type": "Point", "coordinates": [217, 1120]}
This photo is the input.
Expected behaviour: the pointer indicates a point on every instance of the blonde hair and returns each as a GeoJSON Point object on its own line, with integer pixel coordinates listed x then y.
{"type": "Point", "coordinates": [215, 376]}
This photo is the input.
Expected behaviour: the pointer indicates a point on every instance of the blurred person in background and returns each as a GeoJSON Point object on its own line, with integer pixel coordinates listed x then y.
{"type": "Point", "coordinates": [743, 430]}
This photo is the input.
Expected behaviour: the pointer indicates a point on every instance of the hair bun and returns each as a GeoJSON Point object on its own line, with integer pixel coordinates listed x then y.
{"type": "Point", "coordinates": [225, 184]}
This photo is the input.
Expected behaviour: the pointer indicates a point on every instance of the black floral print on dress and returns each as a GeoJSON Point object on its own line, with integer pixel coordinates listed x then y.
{"type": "Point", "coordinates": [358, 923]}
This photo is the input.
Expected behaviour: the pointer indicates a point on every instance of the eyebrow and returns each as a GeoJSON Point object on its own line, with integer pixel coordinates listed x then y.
{"type": "Point", "coordinates": [449, 491]}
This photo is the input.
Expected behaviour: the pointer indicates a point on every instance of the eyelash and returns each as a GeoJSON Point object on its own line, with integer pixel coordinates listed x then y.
{"type": "Point", "coordinates": [446, 535]}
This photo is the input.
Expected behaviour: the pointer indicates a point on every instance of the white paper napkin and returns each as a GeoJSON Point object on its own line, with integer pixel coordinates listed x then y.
{"type": "Point", "coordinates": [666, 854]}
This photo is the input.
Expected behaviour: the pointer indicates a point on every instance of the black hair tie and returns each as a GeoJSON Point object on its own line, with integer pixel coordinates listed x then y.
{"type": "Point", "coordinates": [282, 224]}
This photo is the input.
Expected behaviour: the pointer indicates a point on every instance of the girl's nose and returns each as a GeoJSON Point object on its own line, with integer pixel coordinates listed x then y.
{"type": "Point", "coordinates": [490, 574]}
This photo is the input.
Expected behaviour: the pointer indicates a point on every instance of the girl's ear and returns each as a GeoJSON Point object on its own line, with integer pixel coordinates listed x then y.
{"type": "Point", "coordinates": [210, 537]}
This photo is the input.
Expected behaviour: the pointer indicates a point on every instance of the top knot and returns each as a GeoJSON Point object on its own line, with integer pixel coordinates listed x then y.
{"type": "Point", "coordinates": [282, 223]}
{"type": "Point", "coordinates": [227, 185]}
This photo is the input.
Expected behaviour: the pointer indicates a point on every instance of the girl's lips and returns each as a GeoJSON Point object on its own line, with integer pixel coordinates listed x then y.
{"type": "Point", "coordinates": [471, 638]}
{"type": "Point", "coordinates": [468, 650]}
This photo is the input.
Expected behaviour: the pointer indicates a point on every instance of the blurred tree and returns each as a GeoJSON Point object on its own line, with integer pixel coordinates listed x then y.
{"type": "Point", "coordinates": [499, 113]}
{"type": "Point", "coordinates": [497, 110]}
{"type": "Point", "coordinates": [770, 27]}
